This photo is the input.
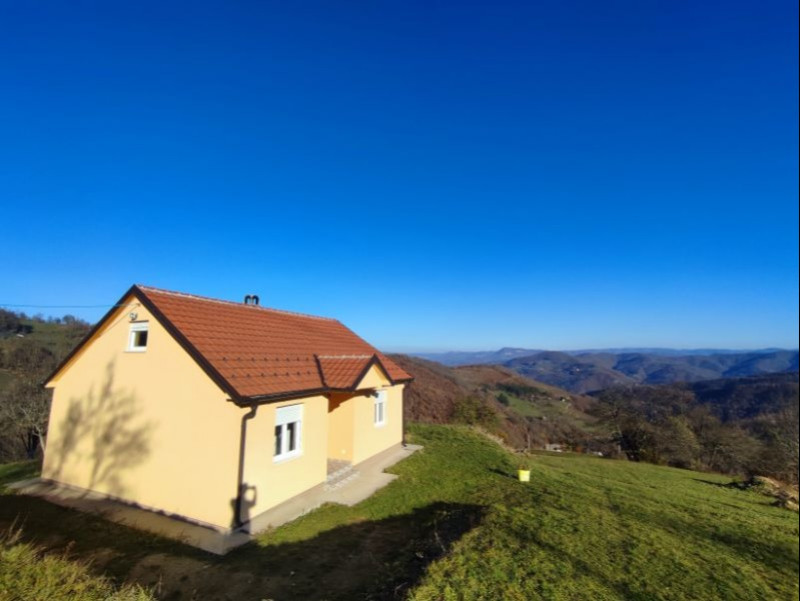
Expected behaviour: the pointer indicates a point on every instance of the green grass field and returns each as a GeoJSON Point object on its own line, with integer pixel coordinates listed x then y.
{"type": "Point", "coordinates": [457, 525]}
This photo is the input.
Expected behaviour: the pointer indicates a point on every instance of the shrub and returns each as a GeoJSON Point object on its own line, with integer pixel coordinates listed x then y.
{"type": "Point", "coordinates": [26, 573]}
{"type": "Point", "coordinates": [473, 411]}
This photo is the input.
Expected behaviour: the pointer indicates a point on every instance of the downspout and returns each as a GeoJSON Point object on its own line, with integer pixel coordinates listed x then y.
{"type": "Point", "coordinates": [240, 487]}
{"type": "Point", "coordinates": [403, 416]}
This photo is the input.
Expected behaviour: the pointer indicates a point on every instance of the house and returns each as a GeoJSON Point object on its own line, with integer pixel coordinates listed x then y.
{"type": "Point", "coordinates": [216, 412]}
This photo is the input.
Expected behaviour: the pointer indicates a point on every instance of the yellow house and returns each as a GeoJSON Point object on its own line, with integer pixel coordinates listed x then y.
{"type": "Point", "coordinates": [217, 412]}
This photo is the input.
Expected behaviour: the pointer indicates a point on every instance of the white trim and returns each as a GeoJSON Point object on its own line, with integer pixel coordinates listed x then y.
{"type": "Point", "coordinates": [284, 417]}
{"type": "Point", "coordinates": [136, 328]}
{"type": "Point", "coordinates": [379, 409]}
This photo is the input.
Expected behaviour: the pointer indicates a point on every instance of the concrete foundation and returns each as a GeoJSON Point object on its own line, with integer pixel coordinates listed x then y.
{"type": "Point", "coordinates": [371, 478]}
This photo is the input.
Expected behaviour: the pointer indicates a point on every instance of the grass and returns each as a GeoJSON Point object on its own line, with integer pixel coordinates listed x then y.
{"type": "Point", "coordinates": [26, 573]}
{"type": "Point", "coordinates": [457, 525]}
{"type": "Point", "coordinates": [552, 409]}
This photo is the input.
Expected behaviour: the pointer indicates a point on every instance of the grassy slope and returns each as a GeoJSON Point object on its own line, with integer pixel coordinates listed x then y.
{"type": "Point", "coordinates": [456, 525]}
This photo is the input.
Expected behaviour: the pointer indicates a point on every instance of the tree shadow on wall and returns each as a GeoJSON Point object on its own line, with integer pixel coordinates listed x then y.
{"type": "Point", "coordinates": [102, 433]}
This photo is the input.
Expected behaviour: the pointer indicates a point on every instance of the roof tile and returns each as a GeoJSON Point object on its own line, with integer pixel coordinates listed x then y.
{"type": "Point", "coordinates": [264, 352]}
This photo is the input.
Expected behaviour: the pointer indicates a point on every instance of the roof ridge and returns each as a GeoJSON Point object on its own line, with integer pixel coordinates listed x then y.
{"type": "Point", "coordinates": [233, 303]}
{"type": "Point", "coordinates": [364, 356]}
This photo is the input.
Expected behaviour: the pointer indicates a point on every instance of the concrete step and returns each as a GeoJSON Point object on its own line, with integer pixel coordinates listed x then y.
{"type": "Point", "coordinates": [339, 473]}
{"type": "Point", "coordinates": [340, 478]}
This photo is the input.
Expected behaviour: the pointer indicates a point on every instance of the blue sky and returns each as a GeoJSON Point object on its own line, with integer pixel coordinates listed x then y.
{"type": "Point", "coordinates": [437, 176]}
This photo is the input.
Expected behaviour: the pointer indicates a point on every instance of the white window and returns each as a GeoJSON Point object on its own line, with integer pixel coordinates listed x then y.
{"type": "Point", "coordinates": [288, 432]}
{"type": "Point", "coordinates": [379, 408]}
{"type": "Point", "coordinates": [137, 339]}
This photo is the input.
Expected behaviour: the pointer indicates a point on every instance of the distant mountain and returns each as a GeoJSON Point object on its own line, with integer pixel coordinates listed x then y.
{"type": "Point", "coordinates": [588, 371]}
{"type": "Point", "coordinates": [454, 358]}
{"type": "Point", "coordinates": [499, 357]}
{"type": "Point", "coordinates": [571, 373]}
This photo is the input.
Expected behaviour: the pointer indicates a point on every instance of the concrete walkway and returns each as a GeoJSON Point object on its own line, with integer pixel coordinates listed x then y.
{"type": "Point", "coordinates": [170, 526]}
{"type": "Point", "coordinates": [370, 479]}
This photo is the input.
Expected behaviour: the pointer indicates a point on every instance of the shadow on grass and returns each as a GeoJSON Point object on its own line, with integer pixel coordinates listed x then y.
{"type": "Point", "coordinates": [504, 473]}
{"type": "Point", "coordinates": [731, 484]}
{"type": "Point", "coordinates": [372, 559]}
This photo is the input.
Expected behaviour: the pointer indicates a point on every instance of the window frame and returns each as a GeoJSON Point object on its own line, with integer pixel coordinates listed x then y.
{"type": "Point", "coordinates": [379, 407]}
{"type": "Point", "coordinates": [135, 329]}
{"type": "Point", "coordinates": [292, 414]}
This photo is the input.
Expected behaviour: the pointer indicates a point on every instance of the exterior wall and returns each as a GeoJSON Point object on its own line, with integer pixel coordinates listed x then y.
{"type": "Point", "coordinates": [341, 421]}
{"type": "Point", "coordinates": [353, 435]}
{"type": "Point", "coordinates": [269, 482]}
{"type": "Point", "coordinates": [146, 427]}
{"type": "Point", "coordinates": [369, 438]}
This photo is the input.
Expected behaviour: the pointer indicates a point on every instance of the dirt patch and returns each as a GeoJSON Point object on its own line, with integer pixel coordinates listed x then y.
{"type": "Point", "coordinates": [785, 495]}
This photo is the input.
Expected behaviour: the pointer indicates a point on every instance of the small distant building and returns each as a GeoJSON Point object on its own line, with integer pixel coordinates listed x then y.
{"type": "Point", "coordinates": [555, 447]}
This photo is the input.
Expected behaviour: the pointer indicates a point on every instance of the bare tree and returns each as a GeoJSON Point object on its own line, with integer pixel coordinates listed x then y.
{"type": "Point", "coordinates": [24, 411]}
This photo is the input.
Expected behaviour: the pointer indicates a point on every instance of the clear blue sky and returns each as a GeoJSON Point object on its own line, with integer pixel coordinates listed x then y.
{"type": "Point", "coordinates": [437, 176]}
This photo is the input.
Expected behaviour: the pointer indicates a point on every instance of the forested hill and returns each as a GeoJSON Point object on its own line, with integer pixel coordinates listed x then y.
{"type": "Point", "coordinates": [584, 372]}
{"type": "Point", "coordinates": [743, 426]}
{"type": "Point", "coordinates": [30, 348]}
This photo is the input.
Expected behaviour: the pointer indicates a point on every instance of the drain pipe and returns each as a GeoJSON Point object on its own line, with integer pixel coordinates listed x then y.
{"type": "Point", "coordinates": [237, 510]}
{"type": "Point", "coordinates": [403, 417]}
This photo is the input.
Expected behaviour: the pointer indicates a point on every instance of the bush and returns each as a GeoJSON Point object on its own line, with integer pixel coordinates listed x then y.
{"type": "Point", "coordinates": [473, 411]}
{"type": "Point", "coordinates": [26, 573]}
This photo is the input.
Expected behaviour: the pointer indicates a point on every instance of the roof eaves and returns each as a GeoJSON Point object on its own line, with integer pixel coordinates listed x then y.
{"type": "Point", "coordinates": [282, 396]}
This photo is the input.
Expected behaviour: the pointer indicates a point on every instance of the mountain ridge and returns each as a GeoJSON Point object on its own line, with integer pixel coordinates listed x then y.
{"type": "Point", "coordinates": [584, 372]}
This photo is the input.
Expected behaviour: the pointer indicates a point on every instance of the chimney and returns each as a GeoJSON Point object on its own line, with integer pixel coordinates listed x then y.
{"type": "Point", "coordinates": [251, 299]}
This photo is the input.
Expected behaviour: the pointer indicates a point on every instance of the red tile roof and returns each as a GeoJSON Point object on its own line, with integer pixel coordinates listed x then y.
{"type": "Point", "coordinates": [261, 352]}
{"type": "Point", "coordinates": [344, 372]}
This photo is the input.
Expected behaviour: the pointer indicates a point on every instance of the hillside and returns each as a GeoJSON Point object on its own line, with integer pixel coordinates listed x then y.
{"type": "Point", "coordinates": [34, 346]}
{"type": "Point", "coordinates": [458, 525]}
{"type": "Point", "coordinates": [526, 412]}
{"type": "Point", "coordinates": [590, 372]}
{"type": "Point", "coordinates": [29, 349]}
{"type": "Point", "coordinates": [735, 399]}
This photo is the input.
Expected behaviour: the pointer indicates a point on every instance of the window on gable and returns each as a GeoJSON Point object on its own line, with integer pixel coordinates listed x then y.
{"type": "Point", "coordinates": [137, 339]}
{"type": "Point", "coordinates": [288, 432]}
{"type": "Point", "coordinates": [379, 408]}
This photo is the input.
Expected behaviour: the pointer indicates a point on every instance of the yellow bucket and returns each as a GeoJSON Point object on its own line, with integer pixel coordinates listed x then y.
{"type": "Point", "coordinates": [524, 475]}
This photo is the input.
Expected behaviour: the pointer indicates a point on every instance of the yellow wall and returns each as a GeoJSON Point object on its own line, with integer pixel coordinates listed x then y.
{"type": "Point", "coordinates": [341, 418]}
{"type": "Point", "coordinates": [150, 427]}
{"type": "Point", "coordinates": [270, 482]}
{"type": "Point", "coordinates": [369, 438]}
